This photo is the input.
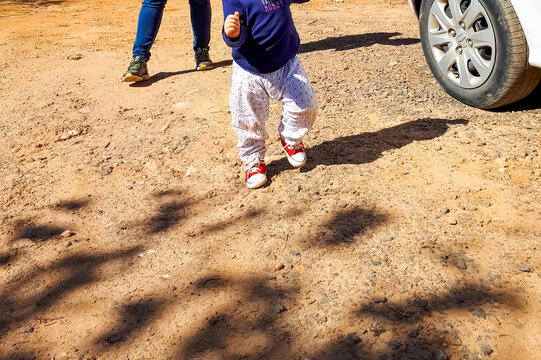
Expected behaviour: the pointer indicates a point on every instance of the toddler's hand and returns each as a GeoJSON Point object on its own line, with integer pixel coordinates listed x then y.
{"type": "Point", "coordinates": [232, 26]}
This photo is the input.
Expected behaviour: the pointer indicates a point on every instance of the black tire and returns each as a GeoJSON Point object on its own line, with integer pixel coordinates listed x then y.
{"type": "Point", "coordinates": [511, 79]}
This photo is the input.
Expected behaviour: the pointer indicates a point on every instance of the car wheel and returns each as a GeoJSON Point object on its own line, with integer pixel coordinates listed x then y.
{"type": "Point", "coordinates": [477, 51]}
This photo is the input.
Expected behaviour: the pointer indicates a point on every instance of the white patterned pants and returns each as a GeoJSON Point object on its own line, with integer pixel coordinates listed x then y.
{"type": "Point", "coordinates": [249, 102]}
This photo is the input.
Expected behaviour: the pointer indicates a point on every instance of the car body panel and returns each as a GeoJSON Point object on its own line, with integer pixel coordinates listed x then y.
{"type": "Point", "coordinates": [529, 15]}
{"type": "Point", "coordinates": [414, 7]}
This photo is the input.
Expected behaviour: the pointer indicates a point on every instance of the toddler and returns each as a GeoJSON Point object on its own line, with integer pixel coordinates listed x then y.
{"type": "Point", "coordinates": [265, 44]}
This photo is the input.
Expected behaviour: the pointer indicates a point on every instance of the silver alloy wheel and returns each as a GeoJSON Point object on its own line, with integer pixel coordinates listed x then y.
{"type": "Point", "coordinates": [462, 41]}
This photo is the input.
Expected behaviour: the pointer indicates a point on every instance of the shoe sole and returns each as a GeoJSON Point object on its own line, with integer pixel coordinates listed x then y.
{"type": "Point", "coordinates": [133, 78]}
{"type": "Point", "coordinates": [204, 67]}
{"type": "Point", "coordinates": [257, 185]}
{"type": "Point", "coordinates": [295, 164]}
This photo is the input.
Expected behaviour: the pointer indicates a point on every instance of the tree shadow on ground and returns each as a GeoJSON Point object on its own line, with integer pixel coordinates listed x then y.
{"type": "Point", "coordinates": [22, 298]}
{"type": "Point", "coordinates": [251, 326]}
{"type": "Point", "coordinates": [164, 75]}
{"type": "Point", "coordinates": [20, 355]}
{"type": "Point", "coordinates": [219, 226]}
{"type": "Point", "coordinates": [257, 324]}
{"type": "Point", "coordinates": [28, 229]}
{"type": "Point", "coordinates": [349, 42]}
{"type": "Point", "coordinates": [72, 205]}
{"type": "Point", "coordinates": [346, 225]}
{"type": "Point", "coordinates": [368, 147]}
{"type": "Point", "coordinates": [5, 259]}
{"type": "Point", "coordinates": [168, 215]}
{"type": "Point", "coordinates": [171, 211]}
{"type": "Point", "coordinates": [133, 317]}
{"type": "Point", "coordinates": [415, 338]}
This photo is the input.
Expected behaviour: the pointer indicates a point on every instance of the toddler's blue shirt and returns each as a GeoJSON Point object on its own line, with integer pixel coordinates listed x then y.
{"type": "Point", "coordinates": [268, 38]}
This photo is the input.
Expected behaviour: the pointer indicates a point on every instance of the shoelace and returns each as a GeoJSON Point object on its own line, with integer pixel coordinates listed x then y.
{"type": "Point", "coordinates": [253, 166]}
{"type": "Point", "coordinates": [134, 64]}
{"type": "Point", "coordinates": [201, 55]}
{"type": "Point", "coordinates": [295, 148]}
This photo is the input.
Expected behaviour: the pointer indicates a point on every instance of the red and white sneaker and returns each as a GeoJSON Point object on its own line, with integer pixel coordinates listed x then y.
{"type": "Point", "coordinates": [296, 155]}
{"type": "Point", "coordinates": [256, 174]}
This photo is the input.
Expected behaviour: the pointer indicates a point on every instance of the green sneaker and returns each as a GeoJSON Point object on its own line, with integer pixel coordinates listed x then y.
{"type": "Point", "coordinates": [202, 59]}
{"type": "Point", "coordinates": [137, 71]}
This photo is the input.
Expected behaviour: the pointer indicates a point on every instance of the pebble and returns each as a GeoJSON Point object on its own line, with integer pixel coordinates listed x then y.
{"type": "Point", "coordinates": [21, 243]}
{"type": "Point", "coordinates": [113, 339]}
{"type": "Point", "coordinates": [323, 299]}
{"type": "Point", "coordinates": [394, 344]}
{"type": "Point", "coordinates": [75, 57]}
{"type": "Point", "coordinates": [279, 308]}
{"type": "Point", "coordinates": [380, 299]}
{"type": "Point", "coordinates": [480, 313]}
{"type": "Point", "coordinates": [378, 329]}
{"type": "Point", "coordinates": [213, 320]}
{"type": "Point", "coordinates": [441, 355]}
{"type": "Point", "coordinates": [164, 128]}
{"type": "Point", "coordinates": [524, 268]}
{"type": "Point", "coordinates": [486, 349]}
{"type": "Point", "coordinates": [442, 212]}
{"type": "Point", "coordinates": [461, 264]}
{"type": "Point", "coordinates": [415, 332]}
{"type": "Point", "coordinates": [67, 233]}
{"type": "Point", "coordinates": [294, 253]}
{"type": "Point", "coordinates": [352, 339]}
{"type": "Point", "coordinates": [69, 135]}
{"type": "Point", "coordinates": [26, 329]}
{"type": "Point", "coordinates": [107, 170]}
{"type": "Point", "coordinates": [279, 266]}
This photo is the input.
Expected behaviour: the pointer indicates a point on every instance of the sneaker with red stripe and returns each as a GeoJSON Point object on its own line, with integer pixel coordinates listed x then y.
{"type": "Point", "coordinates": [256, 174]}
{"type": "Point", "coordinates": [296, 155]}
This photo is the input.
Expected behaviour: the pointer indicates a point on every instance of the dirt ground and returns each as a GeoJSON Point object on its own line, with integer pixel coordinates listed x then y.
{"type": "Point", "coordinates": [413, 231]}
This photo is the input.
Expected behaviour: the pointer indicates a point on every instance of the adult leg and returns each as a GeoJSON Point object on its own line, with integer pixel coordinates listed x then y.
{"type": "Point", "coordinates": [300, 103]}
{"type": "Point", "coordinates": [249, 104]}
{"type": "Point", "coordinates": [200, 14]}
{"type": "Point", "coordinates": [150, 18]}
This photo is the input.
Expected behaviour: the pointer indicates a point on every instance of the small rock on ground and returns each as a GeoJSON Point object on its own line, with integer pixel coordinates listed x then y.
{"type": "Point", "coordinates": [352, 339]}
{"type": "Point", "coordinates": [486, 349]}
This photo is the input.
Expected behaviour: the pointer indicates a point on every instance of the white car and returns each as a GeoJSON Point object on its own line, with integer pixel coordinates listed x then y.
{"type": "Point", "coordinates": [484, 53]}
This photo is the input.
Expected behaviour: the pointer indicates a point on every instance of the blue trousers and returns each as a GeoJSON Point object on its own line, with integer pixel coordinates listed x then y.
{"type": "Point", "coordinates": [150, 18]}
